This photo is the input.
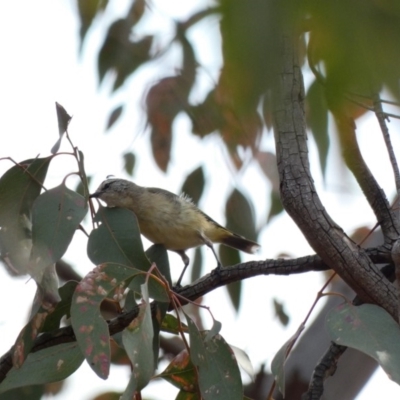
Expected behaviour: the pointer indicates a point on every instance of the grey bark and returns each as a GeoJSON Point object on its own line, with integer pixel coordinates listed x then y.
{"type": "Point", "coordinates": [300, 198]}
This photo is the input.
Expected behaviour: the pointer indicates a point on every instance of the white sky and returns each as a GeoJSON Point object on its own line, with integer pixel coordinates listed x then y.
{"type": "Point", "coordinates": [40, 65]}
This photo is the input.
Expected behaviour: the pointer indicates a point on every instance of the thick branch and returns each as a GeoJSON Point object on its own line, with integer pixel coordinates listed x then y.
{"type": "Point", "coordinates": [301, 200]}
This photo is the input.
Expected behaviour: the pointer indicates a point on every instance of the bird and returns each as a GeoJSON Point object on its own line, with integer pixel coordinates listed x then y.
{"type": "Point", "coordinates": [169, 219]}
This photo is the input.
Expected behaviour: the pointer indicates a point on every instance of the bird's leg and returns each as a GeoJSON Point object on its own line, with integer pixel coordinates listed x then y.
{"type": "Point", "coordinates": [209, 244]}
{"type": "Point", "coordinates": [185, 260]}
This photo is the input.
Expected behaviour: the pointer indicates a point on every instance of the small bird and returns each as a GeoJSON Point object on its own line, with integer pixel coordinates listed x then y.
{"type": "Point", "coordinates": [171, 220]}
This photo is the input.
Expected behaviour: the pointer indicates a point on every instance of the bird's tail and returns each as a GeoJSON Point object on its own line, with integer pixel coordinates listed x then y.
{"type": "Point", "coordinates": [240, 243]}
{"type": "Point", "coordinates": [218, 234]}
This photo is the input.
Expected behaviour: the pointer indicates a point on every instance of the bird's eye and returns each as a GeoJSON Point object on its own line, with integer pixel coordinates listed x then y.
{"type": "Point", "coordinates": [106, 186]}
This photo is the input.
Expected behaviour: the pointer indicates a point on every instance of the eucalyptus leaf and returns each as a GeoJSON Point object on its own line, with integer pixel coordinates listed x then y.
{"type": "Point", "coordinates": [117, 239]}
{"type": "Point", "coordinates": [19, 187]}
{"type": "Point", "coordinates": [216, 364]}
{"type": "Point", "coordinates": [370, 329]}
{"type": "Point", "coordinates": [56, 214]}
{"type": "Point", "coordinates": [137, 339]}
{"type": "Point", "coordinates": [90, 328]}
{"type": "Point", "coordinates": [45, 366]}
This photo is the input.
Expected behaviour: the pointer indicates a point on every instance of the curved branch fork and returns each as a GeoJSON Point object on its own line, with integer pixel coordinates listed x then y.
{"type": "Point", "coordinates": [300, 198]}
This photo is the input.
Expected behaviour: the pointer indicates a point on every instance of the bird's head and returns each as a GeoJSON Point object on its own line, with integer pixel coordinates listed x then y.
{"type": "Point", "coordinates": [117, 192]}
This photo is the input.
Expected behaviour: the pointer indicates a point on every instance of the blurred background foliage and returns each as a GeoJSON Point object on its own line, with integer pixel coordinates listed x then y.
{"type": "Point", "coordinates": [351, 47]}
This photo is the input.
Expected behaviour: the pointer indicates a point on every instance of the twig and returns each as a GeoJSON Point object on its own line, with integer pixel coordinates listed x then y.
{"type": "Point", "coordinates": [396, 259]}
{"type": "Point", "coordinates": [325, 368]}
{"type": "Point", "coordinates": [366, 96]}
{"type": "Point", "coordinates": [369, 185]}
{"type": "Point", "coordinates": [367, 107]}
{"type": "Point", "coordinates": [381, 116]}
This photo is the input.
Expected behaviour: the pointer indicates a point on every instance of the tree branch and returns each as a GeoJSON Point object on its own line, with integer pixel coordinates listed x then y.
{"type": "Point", "coordinates": [380, 115]}
{"type": "Point", "coordinates": [195, 290]}
{"type": "Point", "coordinates": [299, 195]}
{"type": "Point", "coordinates": [372, 191]}
{"type": "Point", "coordinates": [325, 368]}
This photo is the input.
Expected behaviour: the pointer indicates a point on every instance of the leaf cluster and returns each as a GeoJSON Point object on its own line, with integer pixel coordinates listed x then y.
{"type": "Point", "coordinates": [37, 227]}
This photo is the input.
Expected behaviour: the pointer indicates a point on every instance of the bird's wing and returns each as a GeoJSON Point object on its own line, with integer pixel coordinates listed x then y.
{"type": "Point", "coordinates": [165, 193]}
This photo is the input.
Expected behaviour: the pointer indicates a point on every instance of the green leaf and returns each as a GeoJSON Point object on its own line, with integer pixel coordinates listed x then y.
{"type": "Point", "coordinates": [317, 120]}
{"type": "Point", "coordinates": [90, 328]}
{"type": "Point", "coordinates": [279, 361]}
{"type": "Point", "coordinates": [171, 324]}
{"type": "Point", "coordinates": [157, 319]}
{"type": "Point", "coordinates": [88, 9]}
{"type": "Point", "coordinates": [47, 295]}
{"type": "Point", "coordinates": [197, 264]}
{"type": "Point", "coordinates": [130, 301]}
{"type": "Point", "coordinates": [120, 54]}
{"type": "Point", "coordinates": [117, 239]}
{"type": "Point", "coordinates": [62, 308]}
{"type": "Point", "coordinates": [46, 313]}
{"type": "Point", "coordinates": [280, 312]}
{"type": "Point", "coordinates": [240, 215]}
{"type": "Point", "coordinates": [206, 117]}
{"type": "Point", "coordinates": [198, 350]}
{"type": "Point", "coordinates": [85, 180]}
{"type": "Point", "coordinates": [229, 256]}
{"type": "Point", "coordinates": [244, 361]}
{"type": "Point", "coordinates": [245, 31]}
{"type": "Point", "coordinates": [156, 254]}
{"type": "Point", "coordinates": [268, 109]}
{"type": "Point", "coordinates": [117, 35]}
{"type": "Point", "coordinates": [194, 185]}
{"type": "Point", "coordinates": [276, 205]}
{"type": "Point", "coordinates": [48, 365]}
{"type": "Point", "coordinates": [63, 121]}
{"type": "Point", "coordinates": [136, 11]}
{"type": "Point", "coordinates": [132, 56]}
{"type": "Point", "coordinates": [181, 373]}
{"type": "Point", "coordinates": [268, 164]}
{"type": "Point", "coordinates": [137, 339]}
{"type": "Point", "coordinates": [216, 364]}
{"type": "Point", "coordinates": [158, 291]}
{"type": "Point", "coordinates": [130, 161]}
{"type": "Point", "coordinates": [184, 395]}
{"type": "Point", "coordinates": [215, 329]}
{"type": "Point", "coordinates": [28, 334]}
{"type": "Point", "coordinates": [19, 187]}
{"type": "Point", "coordinates": [370, 329]}
{"type": "Point", "coordinates": [114, 116]}
{"type": "Point", "coordinates": [80, 188]}
{"type": "Point", "coordinates": [56, 214]}
{"type": "Point", "coordinates": [31, 392]}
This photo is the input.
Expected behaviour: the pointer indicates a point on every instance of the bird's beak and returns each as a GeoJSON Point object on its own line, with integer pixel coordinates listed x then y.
{"type": "Point", "coordinates": [94, 195]}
